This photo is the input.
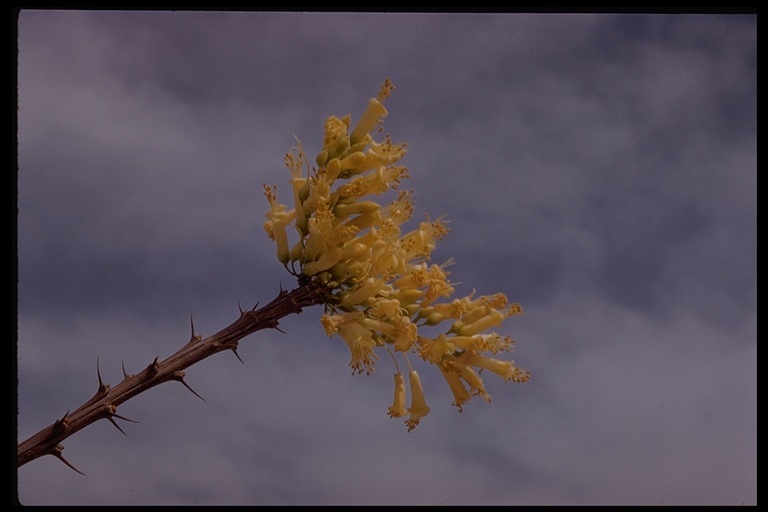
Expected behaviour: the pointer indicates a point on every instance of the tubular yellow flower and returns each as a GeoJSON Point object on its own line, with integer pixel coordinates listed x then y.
{"type": "Point", "coordinates": [397, 409]}
{"type": "Point", "coordinates": [421, 242]}
{"type": "Point", "coordinates": [416, 278]}
{"type": "Point", "coordinates": [375, 182]}
{"type": "Point", "coordinates": [490, 342]}
{"type": "Point", "coordinates": [405, 334]}
{"type": "Point", "coordinates": [357, 337]}
{"type": "Point", "coordinates": [385, 153]}
{"type": "Point", "coordinates": [360, 342]}
{"type": "Point", "coordinates": [505, 369]}
{"type": "Point", "coordinates": [372, 114]}
{"type": "Point", "coordinates": [331, 322]}
{"type": "Point", "coordinates": [298, 181]}
{"type": "Point", "coordinates": [401, 209]}
{"type": "Point", "coordinates": [493, 318]}
{"type": "Point", "coordinates": [281, 241]}
{"type": "Point", "coordinates": [475, 383]}
{"type": "Point", "coordinates": [435, 349]}
{"type": "Point", "coordinates": [437, 285]}
{"type": "Point", "coordinates": [418, 408]}
{"type": "Point", "coordinates": [277, 210]}
{"type": "Point", "coordinates": [460, 393]}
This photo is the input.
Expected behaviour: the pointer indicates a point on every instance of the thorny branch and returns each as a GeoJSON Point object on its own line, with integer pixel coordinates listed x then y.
{"type": "Point", "coordinates": [103, 405]}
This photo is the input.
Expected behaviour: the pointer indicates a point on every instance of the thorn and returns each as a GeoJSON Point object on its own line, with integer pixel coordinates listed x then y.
{"type": "Point", "coordinates": [255, 306]}
{"type": "Point", "coordinates": [240, 308]}
{"type": "Point", "coordinates": [103, 388]}
{"type": "Point", "coordinates": [61, 424]}
{"type": "Point", "coordinates": [234, 349]}
{"type": "Point", "coordinates": [116, 425]}
{"type": "Point", "coordinates": [124, 418]}
{"type": "Point", "coordinates": [125, 374]}
{"type": "Point", "coordinates": [195, 337]}
{"type": "Point", "coordinates": [112, 414]}
{"type": "Point", "coordinates": [279, 329]}
{"type": "Point", "coordinates": [153, 368]}
{"type": "Point", "coordinates": [57, 453]}
{"type": "Point", "coordinates": [179, 376]}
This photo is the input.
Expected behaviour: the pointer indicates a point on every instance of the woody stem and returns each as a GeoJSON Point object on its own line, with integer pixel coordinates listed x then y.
{"type": "Point", "coordinates": [103, 405]}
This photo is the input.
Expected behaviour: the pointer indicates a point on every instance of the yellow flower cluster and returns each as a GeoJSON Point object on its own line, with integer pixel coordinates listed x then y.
{"type": "Point", "coordinates": [384, 287]}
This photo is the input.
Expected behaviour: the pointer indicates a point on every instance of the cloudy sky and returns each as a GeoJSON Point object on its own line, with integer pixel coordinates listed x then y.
{"type": "Point", "coordinates": [600, 170]}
